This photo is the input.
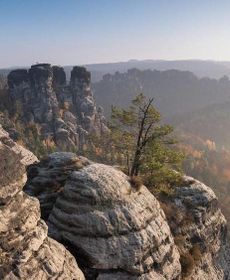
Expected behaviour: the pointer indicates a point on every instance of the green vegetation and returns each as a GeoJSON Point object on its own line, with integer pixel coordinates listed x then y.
{"type": "Point", "coordinates": [141, 145]}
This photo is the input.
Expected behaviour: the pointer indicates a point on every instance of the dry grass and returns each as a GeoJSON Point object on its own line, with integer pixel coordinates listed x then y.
{"type": "Point", "coordinates": [196, 253]}
{"type": "Point", "coordinates": [189, 258]}
{"type": "Point", "coordinates": [180, 242]}
{"type": "Point", "coordinates": [136, 182]}
{"type": "Point", "coordinates": [187, 264]}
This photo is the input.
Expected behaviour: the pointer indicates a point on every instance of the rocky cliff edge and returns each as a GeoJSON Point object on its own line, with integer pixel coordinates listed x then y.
{"type": "Point", "coordinates": [25, 250]}
{"type": "Point", "coordinates": [112, 230]}
{"type": "Point", "coordinates": [117, 232]}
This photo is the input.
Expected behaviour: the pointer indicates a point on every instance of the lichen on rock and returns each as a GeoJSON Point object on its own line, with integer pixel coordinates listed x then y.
{"type": "Point", "coordinates": [47, 178]}
{"type": "Point", "coordinates": [118, 232]}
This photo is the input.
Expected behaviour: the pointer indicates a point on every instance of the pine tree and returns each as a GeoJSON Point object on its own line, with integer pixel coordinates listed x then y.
{"type": "Point", "coordinates": [137, 133]}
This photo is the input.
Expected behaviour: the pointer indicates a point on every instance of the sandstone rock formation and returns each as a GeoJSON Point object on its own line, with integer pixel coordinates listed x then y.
{"type": "Point", "coordinates": [113, 230]}
{"type": "Point", "coordinates": [199, 229]}
{"type": "Point", "coordinates": [116, 232]}
{"type": "Point", "coordinates": [47, 178]}
{"type": "Point", "coordinates": [65, 113]}
{"type": "Point", "coordinates": [25, 250]}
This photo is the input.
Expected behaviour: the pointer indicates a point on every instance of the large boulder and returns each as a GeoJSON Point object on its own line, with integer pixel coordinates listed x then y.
{"type": "Point", "coordinates": [115, 231]}
{"type": "Point", "coordinates": [25, 250]}
{"type": "Point", "coordinates": [118, 232]}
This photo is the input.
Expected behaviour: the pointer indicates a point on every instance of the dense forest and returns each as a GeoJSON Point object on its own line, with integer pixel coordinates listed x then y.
{"type": "Point", "coordinates": [208, 164]}
{"type": "Point", "coordinates": [211, 122]}
{"type": "Point", "coordinates": [175, 92]}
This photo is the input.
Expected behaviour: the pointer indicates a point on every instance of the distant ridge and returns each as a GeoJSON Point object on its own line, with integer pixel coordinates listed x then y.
{"type": "Point", "coordinates": [201, 68]}
{"type": "Point", "coordinates": [175, 91]}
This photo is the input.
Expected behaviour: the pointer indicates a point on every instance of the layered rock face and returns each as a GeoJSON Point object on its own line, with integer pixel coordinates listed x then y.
{"type": "Point", "coordinates": [66, 113]}
{"type": "Point", "coordinates": [47, 178]}
{"type": "Point", "coordinates": [199, 230]}
{"type": "Point", "coordinates": [25, 250]}
{"type": "Point", "coordinates": [117, 232]}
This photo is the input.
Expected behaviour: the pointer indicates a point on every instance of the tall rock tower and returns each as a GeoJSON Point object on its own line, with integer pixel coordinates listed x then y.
{"type": "Point", "coordinates": [65, 112]}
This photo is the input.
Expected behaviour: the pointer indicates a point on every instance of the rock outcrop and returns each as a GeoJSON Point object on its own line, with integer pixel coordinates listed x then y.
{"type": "Point", "coordinates": [25, 250]}
{"type": "Point", "coordinates": [47, 178]}
{"type": "Point", "coordinates": [199, 230]}
{"type": "Point", "coordinates": [117, 232]}
{"type": "Point", "coordinates": [66, 113]}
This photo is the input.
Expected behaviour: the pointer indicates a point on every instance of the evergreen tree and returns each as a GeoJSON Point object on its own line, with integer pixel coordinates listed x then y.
{"type": "Point", "coordinates": [140, 145]}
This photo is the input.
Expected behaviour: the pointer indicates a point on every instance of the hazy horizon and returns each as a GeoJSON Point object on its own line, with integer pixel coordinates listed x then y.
{"type": "Point", "coordinates": [118, 61]}
{"type": "Point", "coordinates": [88, 32]}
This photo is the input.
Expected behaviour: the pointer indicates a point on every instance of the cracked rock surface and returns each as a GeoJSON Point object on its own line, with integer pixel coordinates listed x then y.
{"type": "Point", "coordinates": [25, 250]}
{"type": "Point", "coordinates": [113, 231]}
{"type": "Point", "coordinates": [199, 229]}
{"type": "Point", "coordinates": [65, 112]}
{"type": "Point", "coordinates": [47, 178]}
{"type": "Point", "coordinates": [116, 232]}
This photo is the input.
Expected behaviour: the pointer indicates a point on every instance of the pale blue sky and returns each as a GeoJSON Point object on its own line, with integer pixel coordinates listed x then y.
{"type": "Point", "coordinates": [70, 32]}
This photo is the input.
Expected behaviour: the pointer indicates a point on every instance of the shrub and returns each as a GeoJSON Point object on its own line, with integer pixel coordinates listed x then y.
{"type": "Point", "coordinates": [180, 242]}
{"type": "Point", "coordinates": [136, 182]}
{"type": "Point", "coordinates": [196, 253]}
{"type": "Point", "coordinates": [173, 215]}
{"type": "Point", "coordinates": [187, 264]}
